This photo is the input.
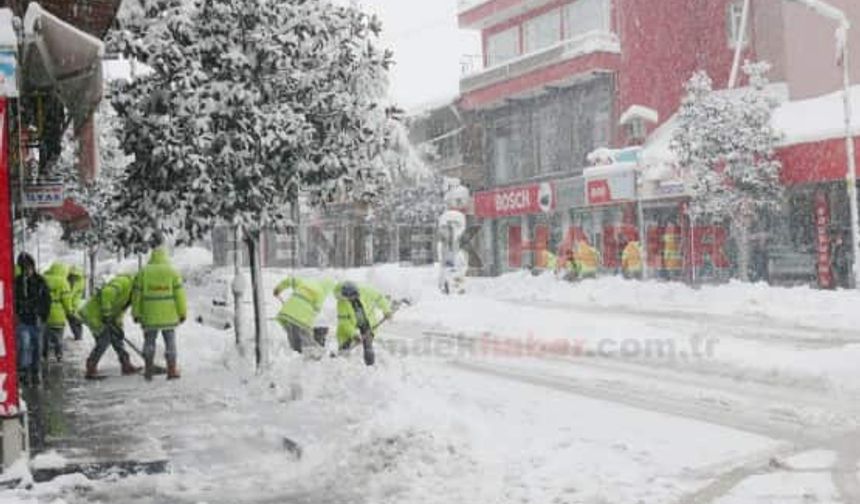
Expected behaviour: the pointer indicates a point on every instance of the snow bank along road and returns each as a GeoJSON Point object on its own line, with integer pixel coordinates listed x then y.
{"type": "Point", "coordinates": [523, 390]}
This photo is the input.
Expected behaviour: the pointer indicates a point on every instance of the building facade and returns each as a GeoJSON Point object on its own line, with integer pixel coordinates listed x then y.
{"type": "Point", "coordinates": [565, 78]}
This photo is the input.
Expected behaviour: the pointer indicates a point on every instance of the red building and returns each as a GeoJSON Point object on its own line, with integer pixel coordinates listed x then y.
{"type": "Point", "coordinates": [562, 78]}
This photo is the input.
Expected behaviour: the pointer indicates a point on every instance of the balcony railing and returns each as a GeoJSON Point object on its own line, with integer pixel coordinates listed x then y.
{"type": "Point", "coordinates": [596, 41]}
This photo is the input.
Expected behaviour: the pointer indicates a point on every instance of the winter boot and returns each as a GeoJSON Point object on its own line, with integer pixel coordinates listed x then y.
{"type": "Point", "coordinates": [369, 354]}
{"type": "Point", "coordinates": [172, 370]}
{"type": "Point", "coordinates": [127, 367]}
{"type": "Point", "coordinates": [148, 368]}
{"type": "Point", "coordinates": [92, 370]}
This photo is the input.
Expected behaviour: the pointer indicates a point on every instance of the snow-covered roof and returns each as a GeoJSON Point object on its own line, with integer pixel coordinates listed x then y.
{"type": "Point", "coordinates": [608, 170]}
{"type": "Point", "coordinates": [816, 119]}
{"type": "Point", "coordinates": [639, 112]}
{"type": "Point", "coordinates": [803, 121]}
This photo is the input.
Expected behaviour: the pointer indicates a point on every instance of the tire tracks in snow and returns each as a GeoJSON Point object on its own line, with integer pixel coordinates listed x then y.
{"type": "Point", "coordinates": [795, 438]}
{"type": "Point", "coordinates": [741, 326]}
{"type": "Point", "coordinates": [763, 409]}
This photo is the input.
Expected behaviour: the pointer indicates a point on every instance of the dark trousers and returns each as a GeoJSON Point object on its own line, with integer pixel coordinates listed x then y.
{"type": "Point", "coordinates": [77, 328]}
{"type": "Point", "coordinates": [110, 336]}
{"type": "Point", "coordinates": [52, 338]}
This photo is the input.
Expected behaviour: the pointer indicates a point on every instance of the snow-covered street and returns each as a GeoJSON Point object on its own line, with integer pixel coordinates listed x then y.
{"type": "Point", "coordinates": [750, 398]}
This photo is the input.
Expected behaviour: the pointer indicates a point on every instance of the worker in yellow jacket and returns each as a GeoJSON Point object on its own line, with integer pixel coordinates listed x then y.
{"type": "Point", "coordinates": [631, 260]}
{"type": "Point", "coordinates": [587, 260]}
{"type": "Point", "coordinates": [671, 244]}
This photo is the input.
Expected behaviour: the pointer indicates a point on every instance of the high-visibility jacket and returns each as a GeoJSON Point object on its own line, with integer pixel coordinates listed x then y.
{"type": "Point", "coordinates": [305, 302]}
{"type": "Point", "coordinates": [671, 240]}
{"type": "Point", "coordinates": [372, 302]}
{"type": "Point", "coordinates": [550, 261]}
{"type": "Point", "coordinates": [587, 259]}
{"type": "Point", "coordinates": [158, 297]}
{"type": "Point", "coordinates": [108, 304]}
{"type": "Point", "coordinates": [631, 258]}
{"type": "Point", "coordinates": [56, 278]}
{"type": "Point", "coordinates": [77, 281]}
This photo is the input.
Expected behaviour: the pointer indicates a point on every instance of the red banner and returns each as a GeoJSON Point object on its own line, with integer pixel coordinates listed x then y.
{"type": "Point", "coordinates": [599, 192]}
{"type": "Point", "coordinates": [8, 357]}
{"type": "Point", "coordinates": [511, 201]}
{"type": "Point", "coordinates": [822, 241]}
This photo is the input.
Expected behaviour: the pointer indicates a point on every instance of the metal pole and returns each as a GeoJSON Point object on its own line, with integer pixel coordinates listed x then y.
{"type": "Point", "coordinates": [851, 177]}
{"type": "Point", "coordinates": [643, 245]}
{"type": "Point", "coordinates": [692, 219]}
{"type": "Point", "coordinates": [739, 47]}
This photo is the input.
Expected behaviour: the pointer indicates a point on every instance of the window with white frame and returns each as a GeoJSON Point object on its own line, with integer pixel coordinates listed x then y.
{"type": "Point", "coordinates": [503, 46]}
{"type": "Point", "coordinates": [734, 18]}
{"type": "Point", "coordinates": [542, 31]}
{"type": "Point", "coordinates": [583, 16]}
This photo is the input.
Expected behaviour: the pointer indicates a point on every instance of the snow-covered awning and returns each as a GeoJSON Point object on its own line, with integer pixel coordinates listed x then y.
{"type": "Point", "coordinates": [647, 114]}
{"type": "Point", "coordinates": [816, 119]}
{"type": "Point", "coordinates": [57, 55]}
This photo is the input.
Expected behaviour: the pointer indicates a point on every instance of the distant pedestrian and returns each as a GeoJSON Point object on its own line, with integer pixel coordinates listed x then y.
{"type": "Point", "coordinates": [159, 305]}
{"type": "Point", "coordinates": [841, 264]}
{"type": "Point", "coordinates": [631, 260]}
{"type": "Point", "coordinates": [57, 278]}
{"type": "Point", "coordinates": [32, 306]}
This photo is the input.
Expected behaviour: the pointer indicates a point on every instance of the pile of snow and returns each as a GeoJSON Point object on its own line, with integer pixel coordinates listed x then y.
{"type": "Point", "coordinates": [800, 306]}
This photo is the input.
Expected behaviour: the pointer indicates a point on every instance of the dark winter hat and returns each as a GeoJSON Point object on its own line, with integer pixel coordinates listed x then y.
{"type": "Point", "coordinates": [349, 290]}
{"type": "Point", "coordinates": [25, 260]}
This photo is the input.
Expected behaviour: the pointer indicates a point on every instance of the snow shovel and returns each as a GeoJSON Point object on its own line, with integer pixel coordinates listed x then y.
{"type": "Point", "coordinates": [156, 369]}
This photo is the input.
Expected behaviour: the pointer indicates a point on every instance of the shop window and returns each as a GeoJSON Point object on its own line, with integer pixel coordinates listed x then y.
{"type": "Point", "coordinates": [637, 131]}
{"type": "Point", "coordinates": [549, 142]}
{"type": "Point", "coordinates": [542, 31]}
{"type": "Point", "coordinates": [584, 16]}
{"type": "Point", "coordinates": [503, 46]}
{"type": "Point", "coordinates": [502, 155]}
{"type": "Point", "coordinates": [734, 19]}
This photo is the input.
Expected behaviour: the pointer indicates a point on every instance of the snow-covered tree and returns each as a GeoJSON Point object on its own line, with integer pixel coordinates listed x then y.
{"type": "Point", "coordinates": [725, 144]}
{"type": "Point", "coordinates": [249, 103]}
{"type": "Point", "coordinates": [98, 196]}
{"type": "Point", "coordinates": [416, 193]}
{"type": "Point", "coordinates": [416, 200]}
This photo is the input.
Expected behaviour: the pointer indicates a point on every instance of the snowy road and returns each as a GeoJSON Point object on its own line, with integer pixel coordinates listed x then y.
{"type": "Point", "coordinates": [461, 408]}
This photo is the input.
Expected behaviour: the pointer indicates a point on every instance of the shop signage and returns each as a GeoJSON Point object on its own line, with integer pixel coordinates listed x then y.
{"type": "Point", "coordinates": [822, 240]}
{"type": "Point", "coordinates": [8, 367]}
{"type": "Point", "coordinates": [609, 185]}
{"type": "Point", "coordinates": [512, 201]}
{"type": "Point", "coordinates": [43, 196]}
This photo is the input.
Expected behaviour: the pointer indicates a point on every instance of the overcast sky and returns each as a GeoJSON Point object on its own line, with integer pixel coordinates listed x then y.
{"type": "Point", "coordinates": [428, 48]}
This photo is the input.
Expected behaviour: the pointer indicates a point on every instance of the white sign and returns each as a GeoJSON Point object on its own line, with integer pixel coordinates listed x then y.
{"type": "Point", "coordinates": [545, 197]}
{"type": "Point", "coordinates": [8, 77]}
{"type": "Point", "coordinates": [513, 201]}
{"type": "Point", "coordinates": [43, 196]}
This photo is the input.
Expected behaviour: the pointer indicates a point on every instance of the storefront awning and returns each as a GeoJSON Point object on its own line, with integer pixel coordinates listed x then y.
{"type": "Point", "coordinates": [57, 56]}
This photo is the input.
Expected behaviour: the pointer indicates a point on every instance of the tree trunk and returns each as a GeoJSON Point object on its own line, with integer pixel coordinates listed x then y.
{"type": "Point", "coordinates": [253, 242]}
{"type": "Point", "coordinates": [92, 254]}
{"type": "Point", "coordinates": [296, 239]}
{"type": "Point", "coordinates": [742, 233]}
{"type": "Point", "coordinates": [238, 288]}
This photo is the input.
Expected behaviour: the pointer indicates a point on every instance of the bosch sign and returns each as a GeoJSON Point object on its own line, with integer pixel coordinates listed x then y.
{"type": "Point", "coordinates": [513, 201]}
